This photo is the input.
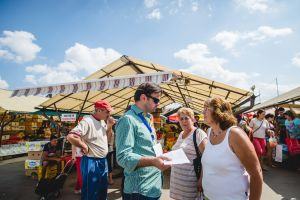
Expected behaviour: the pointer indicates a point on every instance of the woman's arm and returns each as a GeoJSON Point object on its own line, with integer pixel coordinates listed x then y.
{"type": "Point", "coordinates": [243, 148]}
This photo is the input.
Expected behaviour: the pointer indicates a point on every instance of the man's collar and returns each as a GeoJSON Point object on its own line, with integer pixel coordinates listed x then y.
{"type": "Point", "coordinates": [96, 117]}
{"type": "Point", "coordinates": [137, 110]}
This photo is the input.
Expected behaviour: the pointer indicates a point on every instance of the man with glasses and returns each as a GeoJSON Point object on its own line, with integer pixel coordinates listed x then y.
{"type": "Point", "coordinates": [91, 135]}
{"type": "Point", "coordinates": [135, 145]}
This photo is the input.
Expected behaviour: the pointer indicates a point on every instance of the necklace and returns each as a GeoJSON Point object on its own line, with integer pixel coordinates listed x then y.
{"type": "Point", "coordinates": [216, 134]}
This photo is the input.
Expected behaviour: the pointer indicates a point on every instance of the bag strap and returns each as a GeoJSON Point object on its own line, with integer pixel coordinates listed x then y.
{"type": "Point", "coordinates": [258, 127]}
{"type": "Point", "coordinates": [195, 143]}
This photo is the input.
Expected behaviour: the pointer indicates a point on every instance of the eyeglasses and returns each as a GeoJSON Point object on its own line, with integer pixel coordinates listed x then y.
{"type": "Point", "coordinates": [184, 118]}
{"type": "Point", "coordinates": [155, 100]}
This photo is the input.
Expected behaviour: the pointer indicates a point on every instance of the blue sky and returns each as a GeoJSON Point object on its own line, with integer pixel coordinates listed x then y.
{"type": "Point", "coordinates": [239, 42]}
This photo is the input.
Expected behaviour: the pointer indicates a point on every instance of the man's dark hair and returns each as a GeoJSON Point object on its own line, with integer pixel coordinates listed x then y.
{"type": "Point", "coordinates": [52, 137]}
{"type": "Point", "coordinates": [147, 89]}
{"type": "Point", "coordinates": [269, 116]}
{"type": "Point", "coordinates": [291, 114]}
{"type": "Point", "coordinates": [281, 109]}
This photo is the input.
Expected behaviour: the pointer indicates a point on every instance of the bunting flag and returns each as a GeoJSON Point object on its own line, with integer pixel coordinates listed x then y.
{"type": "Point", "coordinates": [96, 84]}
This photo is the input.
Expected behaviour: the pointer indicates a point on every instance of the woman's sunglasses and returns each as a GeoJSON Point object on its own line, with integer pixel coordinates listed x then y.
{"type": "Point", "coordinates": [184, 118]}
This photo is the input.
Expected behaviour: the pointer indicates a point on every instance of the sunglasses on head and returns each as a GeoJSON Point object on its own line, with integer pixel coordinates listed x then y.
{"type": "Point", "coordinates": [155, 100]}
{"type": "Point", "coordinates": [184, 118]}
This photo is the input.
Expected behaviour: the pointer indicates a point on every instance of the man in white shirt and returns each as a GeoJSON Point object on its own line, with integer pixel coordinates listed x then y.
{"type": "Point", "coordinates": [91, 135]}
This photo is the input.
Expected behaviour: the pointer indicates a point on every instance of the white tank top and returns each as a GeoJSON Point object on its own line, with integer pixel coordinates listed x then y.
{"type": "Point", "coordinates": [224, 176]}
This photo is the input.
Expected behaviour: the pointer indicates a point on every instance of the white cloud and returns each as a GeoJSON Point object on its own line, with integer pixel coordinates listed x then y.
{"type": "Point", "coordinates": [31, 79]}
{"type": "Point", "coordinates": [43, 74]}
{"type": "Point", "coordinates": [265, 32]}
{"type": "Point", "coordinates": [155, 14]}
{"type": "Point", "coordinates": [3, 84]}
{"type": "Point", "coordinates": [255, 5]}
{"type": "Point", "coordinates": [81, 57]}
{"type": "Point", "coordinates": [38, 69]}
{"type": "Point", "coordinates": [179, 3]}
{"type": "Point", "coordinates": [18, 46]}
{"type": "Point", "coordinates": [228, 39]}
{"type": "Point", "coordinates": [79, 60]}
{"type": "Point", "coordinates": [150, 3]}
{"type": "Point", "coordinates": [203, 63]}
{"type": "Point", "coordinates": [296, 60]}
{"type": "Point", "coordinates": [195, 6]}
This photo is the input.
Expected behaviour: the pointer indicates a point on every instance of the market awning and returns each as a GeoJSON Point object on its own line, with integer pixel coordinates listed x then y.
{"type": "Point", "coordinates": [96, 84]}
{"type": "Point", "coordinates": [19, 104]}
{"type": "Point", "coordinates": [188, 89]}
{"type": "Point", "coordinates": [283, 99]}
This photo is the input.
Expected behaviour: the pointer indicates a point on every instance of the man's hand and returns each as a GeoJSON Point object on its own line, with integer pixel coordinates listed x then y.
{"type": "Point", "coordinates": [84, 148]}
{"type": "Point", "coordinates": [110, 122]}
{"type": "Point", "coordinates": [158, 162]}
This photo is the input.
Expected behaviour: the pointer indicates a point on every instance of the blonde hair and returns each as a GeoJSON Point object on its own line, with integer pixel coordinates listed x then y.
{"type": "Point", "coordinates": [186, 111]}
{"type": "Point", "coordinates": [221, 112]}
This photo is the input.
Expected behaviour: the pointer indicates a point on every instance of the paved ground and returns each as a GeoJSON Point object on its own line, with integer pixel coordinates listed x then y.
{"type": "Point", "coordinates": [279, 184]}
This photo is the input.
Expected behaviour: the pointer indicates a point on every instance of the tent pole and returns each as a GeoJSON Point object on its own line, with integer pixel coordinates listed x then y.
{"type": "Point", "coordinates": [56, 110]}
{"type": "Point", "coordinates": [182, 95]}
{"type": "Point", "coordinates": [79, 113]}
{"type": "Point", "coordinates": [58, 100]}
{"type": "Point", "coordinates": [58, 126]}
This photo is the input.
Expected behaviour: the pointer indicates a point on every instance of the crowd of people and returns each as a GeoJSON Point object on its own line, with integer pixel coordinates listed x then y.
{"type": "Point", "coordinates": [267, 130]}
{"type": "Point", "coordinates": [229, 150]}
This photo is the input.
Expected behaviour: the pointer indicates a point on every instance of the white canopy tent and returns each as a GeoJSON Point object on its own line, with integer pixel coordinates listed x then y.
{"type": "Point", "coordinates": [289, 100]}
{"type": "Point", "coordinates": [123, 76]}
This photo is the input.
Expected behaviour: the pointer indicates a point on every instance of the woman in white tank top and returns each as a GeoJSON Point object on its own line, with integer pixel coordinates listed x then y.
{"type": "Point", "coordinates": [230, 167]}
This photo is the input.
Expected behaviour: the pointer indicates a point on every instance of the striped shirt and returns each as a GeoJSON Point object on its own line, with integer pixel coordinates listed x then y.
{"type": "Point", "coordinates": [134, 141]}
{"type": "Point", "coordinates": [183, 183]}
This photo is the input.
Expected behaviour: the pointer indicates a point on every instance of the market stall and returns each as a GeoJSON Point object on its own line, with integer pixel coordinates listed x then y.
{"type": "Point", "coordinates": [117, 82]}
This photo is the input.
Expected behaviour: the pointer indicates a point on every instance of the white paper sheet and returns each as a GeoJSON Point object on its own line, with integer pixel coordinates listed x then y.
{"type": "Point", "coordinates": [158, 149]}
{"type": "Point", "coordinates": [177, 157]}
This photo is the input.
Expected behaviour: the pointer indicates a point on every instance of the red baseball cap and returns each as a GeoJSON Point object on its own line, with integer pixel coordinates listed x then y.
{"type": "Point", "coordinates": [102, 104]}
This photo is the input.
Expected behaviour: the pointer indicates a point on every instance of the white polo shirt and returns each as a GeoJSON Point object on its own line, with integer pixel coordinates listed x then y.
{"type": "Point", "coordinates": [93, 134]}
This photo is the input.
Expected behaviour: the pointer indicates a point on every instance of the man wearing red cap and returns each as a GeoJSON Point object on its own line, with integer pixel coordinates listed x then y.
{"type": "Point", "coordinates": [91, 135]}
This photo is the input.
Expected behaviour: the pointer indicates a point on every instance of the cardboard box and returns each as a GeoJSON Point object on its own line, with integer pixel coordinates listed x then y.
{"type": "Point", "coordinates": [14, 128]}
{"type": "Point", "coordinates": [28, 116]}
{"type": "Point", "coordinates": [21, 123]}
{"type": "Point", "coordinates": [32, 164]}
{"type": "Point", "coordinates": [31, 172]}
{"type": "Point", "coordinates": [14, 123]}
{"type": "Point", "coordinates": [7, 128]}
{"type": "Point", "coordinates": [28, 128]}
{"type": "Point", "coordinates": [5, 137]}
{"type": "Point", "coordinates": [35, 116]}
{"type": "Point", "coordinates": [35, 155]}
{"type": "Point", "coordinates": [35, 146]}
{"type": "Point", "coordinates": [28, 123]}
